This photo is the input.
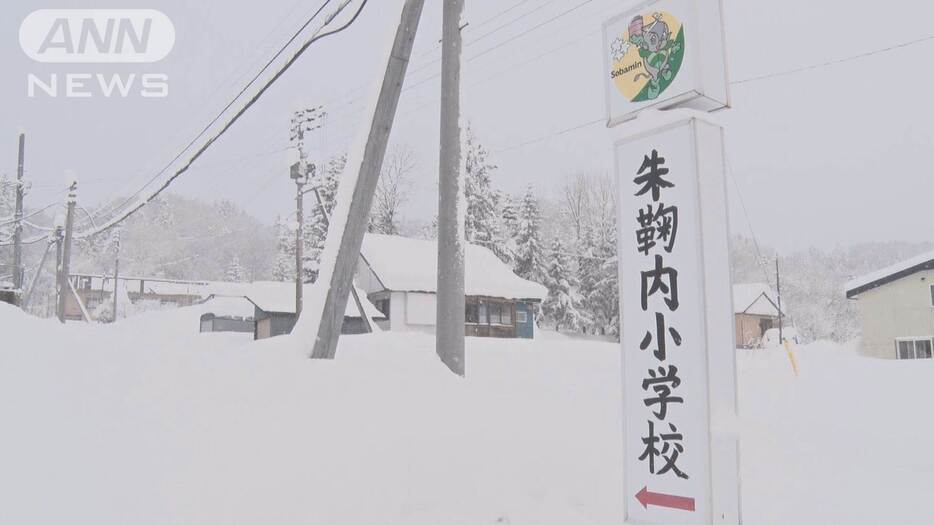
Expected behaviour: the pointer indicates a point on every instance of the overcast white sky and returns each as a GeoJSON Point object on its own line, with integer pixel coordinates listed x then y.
{"type": "Point", "coordinates": [830, 156]}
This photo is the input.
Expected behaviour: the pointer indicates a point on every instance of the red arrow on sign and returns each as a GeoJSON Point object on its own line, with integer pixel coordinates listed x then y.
{"type": "Point", "coordinates": [658, 499]}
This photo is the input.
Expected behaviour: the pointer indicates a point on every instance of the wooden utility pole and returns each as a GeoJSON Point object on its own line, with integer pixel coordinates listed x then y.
{"type": "Point", "coordinates": [367, 322]}
{"type": "Point", "coordinates": [35, 277]}
{"type": "Point", "coordinates": [449, 342]}
{"type": "Point", "coordinates": [65, 267]}
{"type": "Point", "coordinates": [18, 219]}
{"type": "Point", "coordinates": [343, 243]}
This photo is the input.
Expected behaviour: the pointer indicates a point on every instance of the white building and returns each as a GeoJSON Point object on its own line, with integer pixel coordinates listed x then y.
{"type": "Point", "coordinates": [896, 309]}
{"type": "Point", "coordinates": [400, 276]}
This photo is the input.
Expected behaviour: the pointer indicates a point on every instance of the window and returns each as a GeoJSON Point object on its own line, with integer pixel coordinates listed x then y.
{"type": "Point", "coordinates": [383, 306]}
{"type": "Point", "coordinates": [914, 349]}
{"type": "Point", "coordinates": [471, 313]}
{"type": "Point", "coordinates": [500, 314]}
{"type": "Point", "coordinates": [496, 314]}
{"type": "Point", "coordinates": [482, 319]}
{"type": "Point", "coordinates": [932, 295]}
{"type": "Point", "coordinates": [522, 317]}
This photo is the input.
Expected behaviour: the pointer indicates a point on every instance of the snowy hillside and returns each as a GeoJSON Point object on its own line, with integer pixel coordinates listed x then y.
{"type": "Point", "coordinates": [149, 422]}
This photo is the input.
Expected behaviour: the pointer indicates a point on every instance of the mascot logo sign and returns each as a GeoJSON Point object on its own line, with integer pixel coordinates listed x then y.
{"type": "Point", "coordinates": [646, 58]}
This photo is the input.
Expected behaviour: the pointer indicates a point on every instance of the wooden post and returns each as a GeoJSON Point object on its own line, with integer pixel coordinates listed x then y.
{"type": "Point", "coordinates": [65, 268]}
{"type": "Point", "coordinates": [449, 342]}
{"type": "Point", "coordinates": [35, 278]}
{"type": "Point", "coordinates": [18, 219]}
{"type": "Point", "coordinates": [367, 322]}
{"type": "Point", "coordinates": [342, 247]}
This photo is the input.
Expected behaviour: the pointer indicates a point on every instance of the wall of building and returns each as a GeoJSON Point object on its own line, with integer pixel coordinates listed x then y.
{"type": "Point", "coordinates": [750, 328]}
{"type": "Point", "coordinates": [898, 309]}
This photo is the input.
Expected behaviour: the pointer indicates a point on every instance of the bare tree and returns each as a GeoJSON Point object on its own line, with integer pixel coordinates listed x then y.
{"type": "Point", "coordinates": [576, 202]}
{"type": "Point", "coordinates": [393, 191]}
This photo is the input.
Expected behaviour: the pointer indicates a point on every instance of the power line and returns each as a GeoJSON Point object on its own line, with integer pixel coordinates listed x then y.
{"type": "Point", "coordinates": [834, 62]}
{"type": "Point", "coordinates": [10, 220]}
{"type": "Point", "coordinates": [232, 101]}
{"type": "Point", "coordinates": [742, 202]}
{"type": "Point", "coordinates": [550, 135]}
{"type": "Point", "coordinates": [318, 36]}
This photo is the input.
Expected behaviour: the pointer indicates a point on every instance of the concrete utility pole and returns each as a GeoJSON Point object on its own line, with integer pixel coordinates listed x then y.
{"type": "Point", "coordinates": [18, 219]}
{"type": "Point", "coordinates": [65, 268]}
{"type": "Point", "coordinates": [116, 272]}
{"type": "Point", "coordinates": [449, 342]}
{"type": "Point", "coordinates": [349, 239]}
{"type": "Point", "coordinates": [778, 289]}
{"type": "Point", "coordinates": [59, 234]}
{"type": "Point", "coordinates": [299, 241]}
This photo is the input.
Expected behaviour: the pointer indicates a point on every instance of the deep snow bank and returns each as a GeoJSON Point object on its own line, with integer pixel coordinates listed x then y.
{"type": "Point", "coordinates": [147, 421]}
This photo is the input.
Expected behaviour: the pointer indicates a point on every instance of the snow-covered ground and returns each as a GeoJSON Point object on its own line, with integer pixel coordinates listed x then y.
{"type": "Point", "coordinates": [149, 422]}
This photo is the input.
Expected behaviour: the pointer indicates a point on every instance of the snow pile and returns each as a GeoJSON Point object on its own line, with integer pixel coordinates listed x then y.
{"type": "Point", "coordinates": [147, 421]}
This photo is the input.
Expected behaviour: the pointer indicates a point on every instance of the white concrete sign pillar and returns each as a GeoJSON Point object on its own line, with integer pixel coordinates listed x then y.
{"type": "Point", "coordinates": [679, 365]}
{"type": "Point", "coordinates": [679, 390]}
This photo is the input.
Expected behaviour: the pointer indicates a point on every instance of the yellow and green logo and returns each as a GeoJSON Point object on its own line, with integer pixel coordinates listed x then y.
{"type": "Point", "coordinates": [647, 56]}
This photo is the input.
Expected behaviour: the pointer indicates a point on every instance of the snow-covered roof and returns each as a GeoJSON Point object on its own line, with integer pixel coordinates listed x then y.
{"type": "Point", "coordinates": [229, 307]}
{"type": "Point", "coordinates": [755, 299]}
{"type": "Point", "coordinates": [925, 261]}
{"type": "Point", "coordinates": [411, 265]}
{"type": "Point", "coordinates": [279, 297]}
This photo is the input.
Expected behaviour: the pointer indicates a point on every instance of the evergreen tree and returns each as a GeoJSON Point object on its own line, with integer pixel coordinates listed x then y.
{"type": "Point", "coordinates": [316, 222]}
{"type": "Point", "coordinates": [235, 272]}
{"type": "Point", "coordinates": [559, 305]}
{"type": "Point", "coordinates": [284, 266]}
{"type": "Point", "coordinates": [481, 223]}
{"type": "Point", "coordinates": [529, 257]}
{"type": "Point", "coordinates": [510, 214]}
{"type": "Point", "coordinates": [588, 276]}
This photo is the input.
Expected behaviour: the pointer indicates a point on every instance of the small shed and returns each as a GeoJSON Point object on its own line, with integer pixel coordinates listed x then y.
{"type": "Point", "coordinates": [756, 310]}
{"type": "Point", "coordinates": [274, 312]}
{"type": "Point", "coordinates": [8, 294]}
{"type": "Point", "coordinates": [227, 314]}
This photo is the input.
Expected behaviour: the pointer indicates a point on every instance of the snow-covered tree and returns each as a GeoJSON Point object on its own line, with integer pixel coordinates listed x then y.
{"type": "Point", "coordinates": [235, 272]}
{"type": "Point", "coordinates": [316, 221]}
{"type": "Point", "coordinates": [559, 306]}
{"type": "Point", "coordinates": [283, 268]}
{"type": "Point", "coordinates": [482, 222]}
{"type": "Point", "coordinates": [530, 262]}
{"type": "Point", "coordinates": [509, 211]}
{"type": "Point", "coordinates": [7, 209]}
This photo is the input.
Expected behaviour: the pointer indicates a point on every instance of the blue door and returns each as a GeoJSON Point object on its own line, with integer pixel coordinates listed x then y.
{"type": "Point", "coordinates": [525, 321]}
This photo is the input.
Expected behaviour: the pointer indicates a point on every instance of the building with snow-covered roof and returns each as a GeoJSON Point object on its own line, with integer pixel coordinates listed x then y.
{"type": "Point", "coordinates": [896, 309]}
{"type": "Point", "coordinates": [228, 314]}
{"type": "Point", "coordinates": [756, 310]}
{"type": "Point", "coordinates": [275, 309]}
{"type": "Point", "coordinates": [400, 276]}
